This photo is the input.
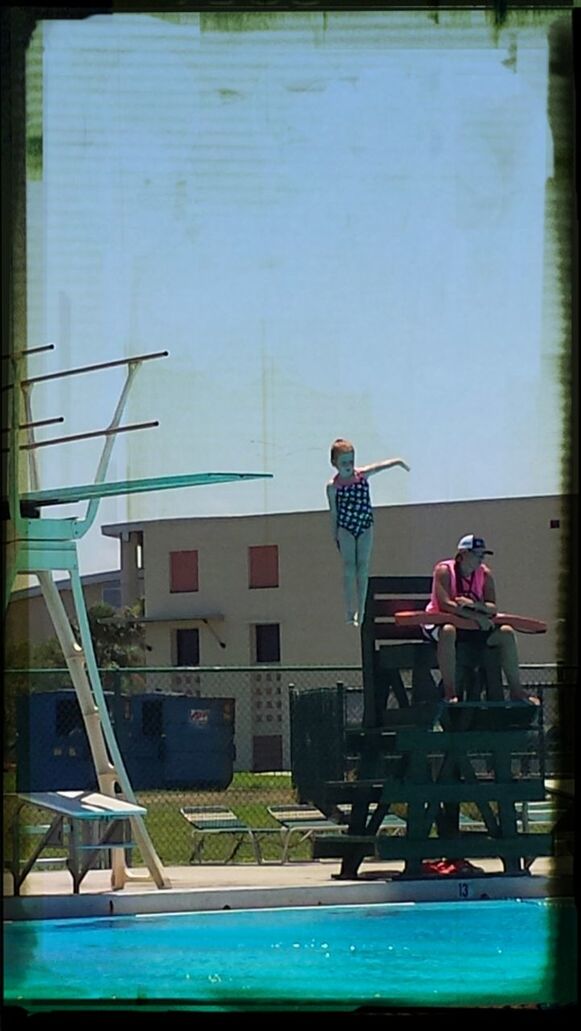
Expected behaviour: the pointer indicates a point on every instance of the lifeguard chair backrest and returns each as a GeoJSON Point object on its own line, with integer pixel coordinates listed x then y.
{"type": "Point", "coordinates": [387, 595]}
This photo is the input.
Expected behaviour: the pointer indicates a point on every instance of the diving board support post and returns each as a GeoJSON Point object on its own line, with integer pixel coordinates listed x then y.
{"type": "Point", "coordinates": [43, 545]}
{"type": "Point", "coordinates": [84, 673]}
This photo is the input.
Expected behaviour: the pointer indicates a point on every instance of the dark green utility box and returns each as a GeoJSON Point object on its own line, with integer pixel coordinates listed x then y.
{"type": "Point", "coordinates": [317, 730]}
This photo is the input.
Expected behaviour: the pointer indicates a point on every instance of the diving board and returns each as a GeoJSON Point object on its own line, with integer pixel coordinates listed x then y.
{"type": "Point", "coordinates": [82, 805]}
{"type": "Point", "coordinates": [89, 491]}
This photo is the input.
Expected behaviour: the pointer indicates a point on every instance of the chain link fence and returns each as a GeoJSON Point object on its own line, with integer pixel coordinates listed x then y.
{"type": "Point", "coordinates": [219, 736]}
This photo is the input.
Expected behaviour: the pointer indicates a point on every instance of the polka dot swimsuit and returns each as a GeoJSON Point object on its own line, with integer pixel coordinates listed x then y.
{"type": "Point", "coordinates": [354, 512]}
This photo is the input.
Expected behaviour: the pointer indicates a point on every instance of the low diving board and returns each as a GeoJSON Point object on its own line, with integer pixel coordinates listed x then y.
{"type": "Point", "coordinates": [84, 823]}
{"type": "Point", "coordinates": [90, 491]}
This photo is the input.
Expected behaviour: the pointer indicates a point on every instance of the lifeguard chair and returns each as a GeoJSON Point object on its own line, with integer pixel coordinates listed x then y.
{"type": "Point", "coordinates": [427, 757]}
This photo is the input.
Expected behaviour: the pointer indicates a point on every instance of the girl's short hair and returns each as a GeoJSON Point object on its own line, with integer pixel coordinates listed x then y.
{"type": "Point", "coordinates": [340, 447]}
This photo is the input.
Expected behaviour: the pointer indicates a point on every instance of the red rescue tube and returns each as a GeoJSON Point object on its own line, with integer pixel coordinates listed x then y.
{"type": "Point", "coordinates": [523, 624]}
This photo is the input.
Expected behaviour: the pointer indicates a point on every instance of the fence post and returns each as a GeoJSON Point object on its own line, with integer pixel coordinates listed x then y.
{"type": "Point", "coordinates": [341, 714]}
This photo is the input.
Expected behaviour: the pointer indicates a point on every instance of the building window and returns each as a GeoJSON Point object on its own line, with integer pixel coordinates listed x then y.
{"type": "Point", "coordinates": [263, 566]}
{"type": "Point", "coordinates": [187, 647]}
{"type": "Point", "coordinates": [267, 642]}
{"type": "Point", "coordinates": [112, 596]}
{"type": "Point", "coordinates": [183, 571]}
{"type": "Point", "coordinates": [139, 553]}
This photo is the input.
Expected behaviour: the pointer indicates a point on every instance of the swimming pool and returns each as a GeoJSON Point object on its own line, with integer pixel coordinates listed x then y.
{"type": "Point", "coordinates": [477, 953]}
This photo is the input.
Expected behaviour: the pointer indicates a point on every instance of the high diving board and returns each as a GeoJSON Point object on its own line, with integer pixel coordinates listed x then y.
{"type": "Point", "coordinates": [89, 491]}
{"type": "Point", "coordinates": [39, 545]}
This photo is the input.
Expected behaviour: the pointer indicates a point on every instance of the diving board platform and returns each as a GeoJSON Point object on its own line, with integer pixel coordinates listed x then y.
{"type": "Point", "coordinates": [89, 491]}
{"type": "Point", "coordinates": [83, 823]}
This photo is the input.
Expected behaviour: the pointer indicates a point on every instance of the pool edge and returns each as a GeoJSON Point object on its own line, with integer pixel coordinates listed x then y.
{"type": "Point", "coordinates": [197, 900]}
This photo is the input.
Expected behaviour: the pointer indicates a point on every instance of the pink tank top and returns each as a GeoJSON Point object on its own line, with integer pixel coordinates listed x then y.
{"type": "Point", "coordinates": [470, 586]}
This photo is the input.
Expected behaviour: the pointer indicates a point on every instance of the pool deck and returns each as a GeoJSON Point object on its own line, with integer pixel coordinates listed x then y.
{"type": "Point", "coordinates": [202, 888]}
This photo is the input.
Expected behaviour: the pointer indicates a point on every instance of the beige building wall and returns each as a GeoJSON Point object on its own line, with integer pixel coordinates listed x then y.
{"type": "Point", "coordinates": [409, 540]}
{"type": "Point", "coordinates": [525, 534]}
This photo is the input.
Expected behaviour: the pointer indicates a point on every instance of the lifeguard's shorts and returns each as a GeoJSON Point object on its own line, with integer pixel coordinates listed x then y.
{"type": "Point", "coordinates": [431, 633]}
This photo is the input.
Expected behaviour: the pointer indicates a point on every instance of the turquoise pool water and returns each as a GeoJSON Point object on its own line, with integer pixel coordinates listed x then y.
{"type": "Point", "coordinates": [478, 953]}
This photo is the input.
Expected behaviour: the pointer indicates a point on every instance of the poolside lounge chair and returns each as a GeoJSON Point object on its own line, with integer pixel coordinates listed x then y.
{"type": "Point", "coordinates": [308, 820]}
{"type": "Point", "coordinates": [471, 823]}
{"type": "Point", "coordinates": [547, 814]}
{"type": "Point", "coordinates": [206, 820]}
{"type": "Point", "coordinates": [529, 815]}
{"type": "Point", "coordinates": [303, 820]}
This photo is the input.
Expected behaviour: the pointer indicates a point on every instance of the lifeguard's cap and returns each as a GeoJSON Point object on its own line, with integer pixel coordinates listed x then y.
{"type": "Point", "coordinates": [472, 543]}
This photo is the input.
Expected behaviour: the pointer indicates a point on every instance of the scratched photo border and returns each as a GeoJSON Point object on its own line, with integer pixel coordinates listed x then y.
{"type": "Point", "coordinates": [17, 24]}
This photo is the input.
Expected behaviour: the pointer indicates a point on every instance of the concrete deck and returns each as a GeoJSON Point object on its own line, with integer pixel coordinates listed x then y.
{"type": "Point", "coordinates": [48, 894]}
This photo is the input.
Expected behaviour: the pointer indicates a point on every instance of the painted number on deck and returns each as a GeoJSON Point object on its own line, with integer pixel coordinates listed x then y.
{"type": "Point", "coordinates": [463, 890]}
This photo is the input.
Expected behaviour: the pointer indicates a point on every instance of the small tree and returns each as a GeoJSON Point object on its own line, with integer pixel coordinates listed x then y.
{"type": "Point", "coordinates": [118, 637]}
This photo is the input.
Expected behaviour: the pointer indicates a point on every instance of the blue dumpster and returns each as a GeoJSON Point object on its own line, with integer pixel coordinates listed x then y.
{"type": "Point", "coordinates": [199, 742]}
{"type": "Point", "coordinates": [139, 728]}
{"type": "Point", "coordinates": [52, 749]}
{"type": "Point", "coordinates": [165, 741]}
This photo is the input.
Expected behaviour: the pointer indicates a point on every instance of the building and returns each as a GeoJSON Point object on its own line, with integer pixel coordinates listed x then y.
{"type": "Point", "coordinates": [265, 591]}
{"type": "Point", "coordinates": [245, 590]}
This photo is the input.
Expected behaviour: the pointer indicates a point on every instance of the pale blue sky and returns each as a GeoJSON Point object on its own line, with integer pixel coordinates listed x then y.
{"type": "Point", "coordinates": [336, 227]}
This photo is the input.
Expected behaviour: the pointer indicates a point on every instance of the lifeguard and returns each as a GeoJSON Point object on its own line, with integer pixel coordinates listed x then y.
{"type": "Point", "coordinates": [464, 586]}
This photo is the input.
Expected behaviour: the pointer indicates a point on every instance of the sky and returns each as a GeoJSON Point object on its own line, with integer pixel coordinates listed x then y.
{"type": "Point", "coordinates": [334, 223]}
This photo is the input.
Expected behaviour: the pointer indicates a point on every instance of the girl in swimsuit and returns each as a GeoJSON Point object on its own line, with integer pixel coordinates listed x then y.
{"type": "Point", "coordinates": [352, 522]}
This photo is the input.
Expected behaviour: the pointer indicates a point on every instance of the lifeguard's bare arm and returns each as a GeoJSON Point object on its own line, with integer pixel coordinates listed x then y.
{"type": "Point", "coordinates": [332, 500]}
{"type": "Point", "coordinates": [442, 586]}
{"type": "Point", "coordinates": [459, 606]}
{"type": "Point", "coordinates": [378, 467]}
{"type": "Point", "coordinates": [488, 605]}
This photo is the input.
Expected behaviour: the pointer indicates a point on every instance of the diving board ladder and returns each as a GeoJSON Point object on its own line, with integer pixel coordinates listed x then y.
{"type": "Point", "coordinates": [39, 546]}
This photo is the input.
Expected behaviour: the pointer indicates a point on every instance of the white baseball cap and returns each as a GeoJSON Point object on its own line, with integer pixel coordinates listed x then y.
{"type": "Point", "coordinates": [470, 542]}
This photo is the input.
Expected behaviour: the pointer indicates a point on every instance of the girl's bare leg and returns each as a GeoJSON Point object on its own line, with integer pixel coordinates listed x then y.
{"type": "Point", "coordinates": [348, 549]}
{"type": "Point", "coordinates": [363, 550]}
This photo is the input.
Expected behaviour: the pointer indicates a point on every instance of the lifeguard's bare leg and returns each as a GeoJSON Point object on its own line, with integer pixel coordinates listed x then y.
{"type": "Point", "coordinates": [447, 660]}
{"type": "Point", "coordinates": [504, 638]}
{"type": "Point", "coordinates": [364, 549]}
{"type": "Point", "coordinates": [348, 550]}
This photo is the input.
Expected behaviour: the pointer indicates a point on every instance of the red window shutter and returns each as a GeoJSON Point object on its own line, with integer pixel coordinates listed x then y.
{"type": "Point", "coordinates": [183, 571]}
{"type": "Point", "coordinates": [263, 566]}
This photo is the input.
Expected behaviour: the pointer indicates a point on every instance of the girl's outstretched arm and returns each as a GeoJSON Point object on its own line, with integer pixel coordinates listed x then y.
{"type": "Point", "coordinates": [388, 463]}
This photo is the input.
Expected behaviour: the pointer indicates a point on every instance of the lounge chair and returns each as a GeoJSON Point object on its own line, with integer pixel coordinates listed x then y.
{"type": "Point", "coordinates": [206, 820]}
{"type": "Point", "coordinates": [308, 820]}
{"type": "Point", "coordinates": [548, 814]}
{"type": "Point", "coordinates": [303, 820]}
